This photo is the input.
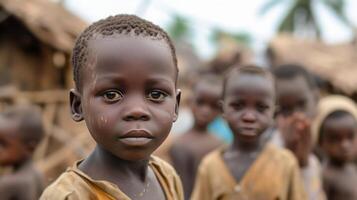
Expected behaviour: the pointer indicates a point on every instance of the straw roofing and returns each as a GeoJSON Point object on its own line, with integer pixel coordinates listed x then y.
{"type": "Point", "coordinates": [334, 63]}
{"type": "Point", "coordinates": [48, 21]}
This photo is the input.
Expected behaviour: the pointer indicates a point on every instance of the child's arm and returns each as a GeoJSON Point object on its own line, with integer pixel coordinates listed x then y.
{"type": "Point", "coordinates": [183, 164]}
{"type": "Point", "coordinates": [295, 130]}
{"type": "Point", "coordinates": [327, 184]}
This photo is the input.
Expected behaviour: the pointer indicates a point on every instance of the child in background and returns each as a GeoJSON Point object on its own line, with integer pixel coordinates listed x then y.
{"type": "Point", "coordinates": [336, 125]}
{"type": "Point", "coordinates": [297, 96]}
{"type": "Point", "coordinates": [21, 130]}
{"type": "Point", "coordinates": [250, 168]}
{"type": "Point", "coordinates": [188, 149]}
{"type": "Point", "coordinates": [125, 73]}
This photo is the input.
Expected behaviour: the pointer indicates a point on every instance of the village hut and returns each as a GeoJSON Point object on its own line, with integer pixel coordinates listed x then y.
{"type": "Point", "coordinates": [336, 64]}
{"type": "Point", "coordinates": [36, 39]}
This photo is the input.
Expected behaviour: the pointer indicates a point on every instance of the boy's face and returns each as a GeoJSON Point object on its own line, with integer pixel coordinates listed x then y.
{"type": "Point", "coordinates": [12, 149]}
{"type": "Point", "coordinates": [338, 137]}
{"type": "Point", "coordinates": [205, 103]}
{"type": "Point", "coordinates": [295, 95]}
{"type": "Point", "coordinates": [248, 105]}
{"type": "Point", "coordinates": [129, 98]}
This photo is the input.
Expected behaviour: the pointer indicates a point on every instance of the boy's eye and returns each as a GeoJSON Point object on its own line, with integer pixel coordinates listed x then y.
{"type": "Point", "coordinates": [157, 96]}
{"type": "Point", "coordinates": [262, 107]}
{"type": "Point", "coordinates": [237, 105]}
{"type": "Point", "coordinates": [301, 105]}
{"type": "Point", "coordinates": [112, 96]}
{"type": "Point", "coordinates": [199, 101]}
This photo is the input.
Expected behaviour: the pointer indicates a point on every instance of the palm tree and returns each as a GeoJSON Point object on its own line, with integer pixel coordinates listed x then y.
{"type": "Point", "coordinates": [179, 29]}
{"type": "Point", "coordinates": [301, 15]}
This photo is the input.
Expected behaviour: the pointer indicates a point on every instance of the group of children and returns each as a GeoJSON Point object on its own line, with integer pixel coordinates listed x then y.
{"type": "Point", "coordinates": [125, 73]}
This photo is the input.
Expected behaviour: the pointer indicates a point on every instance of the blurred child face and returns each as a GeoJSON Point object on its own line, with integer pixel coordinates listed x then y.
{"type": "Point", "coordinates": [12, 149]}
{"type": "Point", "coordinates": [295, 95]}
{"type": "Point", "coordinates": [248, 105]}
{"type": "Point", "coordinates": [205, 104]}
{"type": "Point", "coordinates": [338, 138]}
{"type": "Point", "coordinates": [129, 98]}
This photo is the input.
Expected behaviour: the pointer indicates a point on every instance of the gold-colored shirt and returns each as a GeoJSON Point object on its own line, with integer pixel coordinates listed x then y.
{"type": "Point", "coordinates": [273, 175]}
{"type": "Point", "coordinates": [73, 184]}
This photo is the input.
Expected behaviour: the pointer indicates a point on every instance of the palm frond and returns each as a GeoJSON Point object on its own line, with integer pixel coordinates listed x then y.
{"type": "Point", "coordinates": [269, 5]}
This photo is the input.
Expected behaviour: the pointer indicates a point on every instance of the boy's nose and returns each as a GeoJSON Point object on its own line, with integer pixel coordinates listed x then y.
{"type": "Point", "coordinates": [136, 113]}
{"type": "Point", "coordinates": [346, 145]}
{"type": "Point", "coordinates": [248, 116]}
{"type": "Point", "coordinates": [136, 110]}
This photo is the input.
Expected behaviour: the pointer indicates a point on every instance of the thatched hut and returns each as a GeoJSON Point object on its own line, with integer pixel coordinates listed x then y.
{"type": "Point", "coordinates": [337, 64]}
{"type": "Point", "coordinates": [36, 37]}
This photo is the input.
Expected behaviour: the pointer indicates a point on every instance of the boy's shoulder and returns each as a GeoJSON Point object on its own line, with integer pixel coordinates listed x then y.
{"type": "Point", "coordinates": [213, 160]}
{"type": "Point", "coordinates": [65, 186]}
{"type": "Point", "coordinates": [74, 184]}
{"type": "Point", "coordinates": [281, 154]}
{"type": "Point", "coordinates": [163, 167]}
{"type": "Point", "coordinates": [278, 155]}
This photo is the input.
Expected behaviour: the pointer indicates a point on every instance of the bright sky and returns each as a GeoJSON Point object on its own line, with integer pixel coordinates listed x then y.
{"type": "Point", "coordinates": [229, 15]}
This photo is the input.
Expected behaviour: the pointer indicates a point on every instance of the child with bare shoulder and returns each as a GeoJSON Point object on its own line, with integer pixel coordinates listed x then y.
{"type": "Point", "coordinates": [21, 130]}
{"type": "Point", "coordinates": [337, 129]}
{"type": "Point", "coordinates": [188, 149]}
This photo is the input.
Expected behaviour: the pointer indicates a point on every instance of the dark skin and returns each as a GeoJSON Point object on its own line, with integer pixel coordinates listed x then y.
{"type": "Point", "coordinates": [24, 182]}
{"type": "Point", "coordinates": [129, 101]}
{"type": "Point", "coordinates": [340, 174]}
{"type": "Point", "coordinates": [296, 102]}
{"type": "Point", "coordinates": [248, 108]}
{"type": "Point", "coordinates": [197, 142]}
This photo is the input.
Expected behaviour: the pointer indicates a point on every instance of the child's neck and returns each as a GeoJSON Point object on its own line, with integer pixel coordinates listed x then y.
{"type": "Point", "coordinates": [199, 128]}
{"type": "Point", "coordinates": [248, 147]}
{"type": "Point", "coordinates": [112, 166]}
{"type": "Point", "coordinates": [334, 163]}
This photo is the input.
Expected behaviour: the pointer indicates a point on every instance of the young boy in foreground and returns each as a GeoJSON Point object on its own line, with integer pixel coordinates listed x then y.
{"type": "Point", "coordinates": [249, 168]}
{"type": "Point", "coordinates": [337, 129]}
{"type": "Point", "coordinates": [188, 149]}
{"type": "Point", "coordinates": [21, 130]}
{"type": "Point", "coordinates": [125, 72]}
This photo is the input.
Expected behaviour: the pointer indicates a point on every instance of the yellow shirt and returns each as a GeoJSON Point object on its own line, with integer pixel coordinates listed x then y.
{"type": "Point", "coordinates": [76, 185]}
{"type": "Point", "coordinates": [273, 175]}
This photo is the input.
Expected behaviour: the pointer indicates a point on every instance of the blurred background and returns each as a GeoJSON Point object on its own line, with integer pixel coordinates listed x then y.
{"type": "Point", "coordinates": [37, 36]}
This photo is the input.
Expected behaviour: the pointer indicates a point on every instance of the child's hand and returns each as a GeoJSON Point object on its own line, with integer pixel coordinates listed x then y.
{"type": "Point", "coordinates": [295, 130]}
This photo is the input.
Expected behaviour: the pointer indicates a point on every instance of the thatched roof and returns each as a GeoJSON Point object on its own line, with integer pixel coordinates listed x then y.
{"type": "Point", "coordinates": [334, 63]}
{"type": "Point", "coordinates": [50, 22]}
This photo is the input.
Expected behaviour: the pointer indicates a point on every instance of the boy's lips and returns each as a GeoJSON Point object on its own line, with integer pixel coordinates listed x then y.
{"type": "Point", "coordinates": [249, 131]}
{"type": "Point", "coordinates": [136, 137]}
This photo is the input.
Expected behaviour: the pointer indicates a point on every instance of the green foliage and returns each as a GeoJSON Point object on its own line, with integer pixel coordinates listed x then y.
{"type": "Point", "coordinates": [179, 29]}
{"type": "Point", "coordinates": [301, 14]}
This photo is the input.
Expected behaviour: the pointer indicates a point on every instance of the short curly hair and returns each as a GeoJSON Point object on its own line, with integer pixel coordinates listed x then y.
{"type": "Point", "coordinates": [121, 24]}
{"type": "Point", "coordinates": [249, 69]}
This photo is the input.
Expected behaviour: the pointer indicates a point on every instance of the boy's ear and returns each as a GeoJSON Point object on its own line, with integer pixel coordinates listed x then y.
{"type": "Point", "coordinates": [220, 104]}
{"type": "Point", "coordinates": [316, 95]}
{"type": "Point", "coordinates": [177, 105]}
{"type": "Point", "coordinates": [76, 105]}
